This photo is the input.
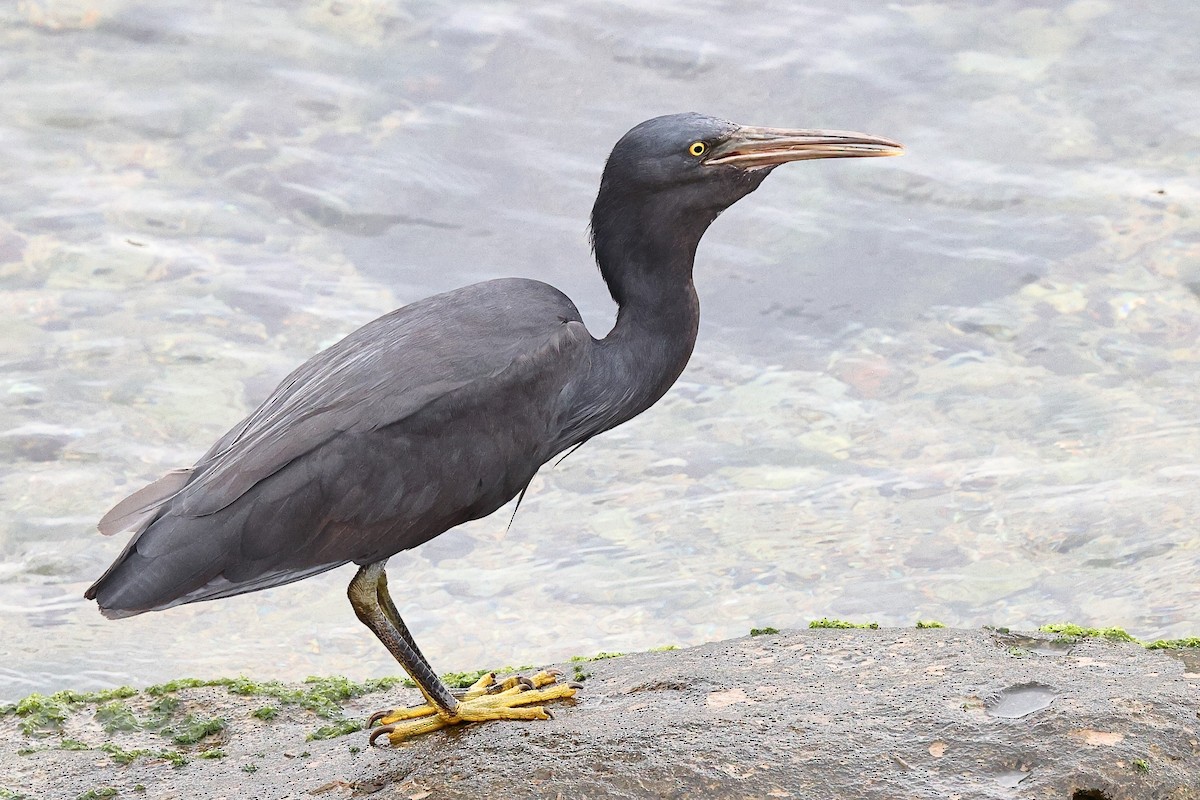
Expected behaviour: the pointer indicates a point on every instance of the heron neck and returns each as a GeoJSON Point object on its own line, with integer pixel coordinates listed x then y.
{"type": "Point", "coordinates": [653, 339]}
{"type": "Point", "coordinates": [649, 274]}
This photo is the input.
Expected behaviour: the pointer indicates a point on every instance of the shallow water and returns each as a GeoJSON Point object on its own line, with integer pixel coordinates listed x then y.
{"type": "Point", "coordinates": [959, 385]}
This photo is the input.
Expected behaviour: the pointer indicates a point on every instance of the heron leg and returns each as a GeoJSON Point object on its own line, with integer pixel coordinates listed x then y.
{"type": "Point", "coordinates": [364, 593]}
{"type": "Point", "coordinates": [491, 687]}
{"type": "Point", "coordinates": [483, 701]}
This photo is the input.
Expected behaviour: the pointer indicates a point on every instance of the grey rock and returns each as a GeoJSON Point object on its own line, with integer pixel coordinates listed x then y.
{"type": "Point", "coordinates": [870, 714]}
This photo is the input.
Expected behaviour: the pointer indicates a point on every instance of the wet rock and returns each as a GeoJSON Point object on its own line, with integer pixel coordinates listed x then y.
{"type": "Point", "coordinates": [871, 714]}
{"type": "Point", "coordinates": [1021, 700]}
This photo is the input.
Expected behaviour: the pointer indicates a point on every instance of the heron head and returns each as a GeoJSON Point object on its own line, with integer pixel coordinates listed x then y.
{"type": "Point", "coordinates": [693, 162]}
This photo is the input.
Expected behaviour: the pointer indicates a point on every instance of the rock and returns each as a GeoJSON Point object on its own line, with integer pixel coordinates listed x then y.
{"type": "Point", "coordinates": [870, 714]}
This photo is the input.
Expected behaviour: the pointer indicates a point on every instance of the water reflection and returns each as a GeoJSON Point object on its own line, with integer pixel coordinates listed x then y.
{"type": "Point", "coordinates": [959, 385]}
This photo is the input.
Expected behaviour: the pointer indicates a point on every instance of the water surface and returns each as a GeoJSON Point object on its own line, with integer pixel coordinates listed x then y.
{"type": "Point", "coordinates": [959, 385]}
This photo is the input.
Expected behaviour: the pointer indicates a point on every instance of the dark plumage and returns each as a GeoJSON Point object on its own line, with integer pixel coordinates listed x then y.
{"type": "Point", "coordinates": [442, 411]}
{"type": "Point", "coordinates": [437, 413]}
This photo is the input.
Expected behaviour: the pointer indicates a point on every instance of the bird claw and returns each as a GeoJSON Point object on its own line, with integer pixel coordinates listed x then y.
{"type": "Point", "coordinates": [382, 730]}
{"type": "Point", "coordinates": [378, 715]}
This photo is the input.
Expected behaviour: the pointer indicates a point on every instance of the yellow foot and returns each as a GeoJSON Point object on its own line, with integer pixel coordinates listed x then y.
{"type": "Point", "coordinates": [484, 700]}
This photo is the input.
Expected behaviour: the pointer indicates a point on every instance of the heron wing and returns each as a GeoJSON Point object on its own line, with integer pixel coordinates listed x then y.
{"type": "Point", "coordinates": [377, 376]}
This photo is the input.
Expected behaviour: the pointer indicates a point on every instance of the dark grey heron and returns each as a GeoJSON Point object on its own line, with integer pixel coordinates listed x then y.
{"type": "Point", "coordinates": [442, 411]}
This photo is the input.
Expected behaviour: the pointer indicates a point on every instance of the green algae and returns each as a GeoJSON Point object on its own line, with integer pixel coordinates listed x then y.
{"type": "Point", "coordinates": [598, 657]}
{"type": "Point", "coordinates": [193, 728]}
{"type": "Point", "coordinates": [161, 711]}
{"type": "Point", "coordinates": [211, 753]}
{"type": "Point", "coordinates": [1068, 629]}
{"type": "Point", "coordinates": [763, 631]}
{"type": "Point", "coordinates": [923, 624]}
{"type": "Point", "coordinates": [41, 714]}
{"type": "Point", "coordinates": [322, 696]}
{"type": "Point", "coordinates": [1070, 633]}
{"type": "Point", "coordinates": [45, 714]}
{"type": "Point", "coordinates": [97, 793]}
{"type": "Point", "coordinates": [159, 689]}
{"type": "Point", "coordinates": [116, 716]}
{"type": "Point", "coordinates": [840, 624]}
{"type": "Point", "coordinates": [1174, 644]}
{"type": "Point", "coordinates": [340, 728]}
{"type": "Point", "coordinates": [122, 756]}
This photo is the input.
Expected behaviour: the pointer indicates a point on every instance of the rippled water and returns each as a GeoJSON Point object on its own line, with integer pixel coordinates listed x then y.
{"type": "Point", "coordinates": [959, 385]}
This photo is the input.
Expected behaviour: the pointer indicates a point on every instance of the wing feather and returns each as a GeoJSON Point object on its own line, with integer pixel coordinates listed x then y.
{"type": "Point", "coordinates": [142, 504]}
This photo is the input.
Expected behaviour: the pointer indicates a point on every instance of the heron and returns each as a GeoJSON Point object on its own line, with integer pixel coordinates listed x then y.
{"type": "Point", "coordinates": [442, 411]}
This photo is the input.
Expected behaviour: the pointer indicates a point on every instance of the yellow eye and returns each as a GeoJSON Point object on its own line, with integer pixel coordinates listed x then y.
{"type": "Point", "coordinates": [697, 148]}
